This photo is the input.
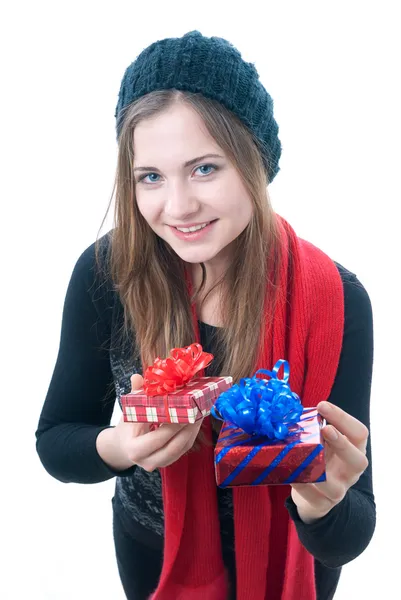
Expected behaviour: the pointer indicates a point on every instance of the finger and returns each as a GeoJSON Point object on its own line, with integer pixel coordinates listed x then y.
{"type": "Point", "coordinates": [136, 382]}
{"type": "Point", "coordinates": [171, 452]}
{"type": "Point", "coordinates": [137, 429]}
{"type": "Point", "coordinates": [148, 443]}
{"type": "Point", "coordinates": [356, 432]}
{"type": "Point", "coordinates": [176, 447]}
{"type": "Point", "coordinates": [321, 496]}
{"type": "Point", "coordinates": [354, 459]}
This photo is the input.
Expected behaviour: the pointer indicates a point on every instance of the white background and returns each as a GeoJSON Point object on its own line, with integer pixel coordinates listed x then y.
{"type": "Point", "coordinates": [333, 72]}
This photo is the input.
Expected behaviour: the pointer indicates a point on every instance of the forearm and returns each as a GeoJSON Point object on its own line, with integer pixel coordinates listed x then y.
{"type": "Point", "coordinates": [69, 453]}
{"type": "Point", "coordinates": [343, 534]}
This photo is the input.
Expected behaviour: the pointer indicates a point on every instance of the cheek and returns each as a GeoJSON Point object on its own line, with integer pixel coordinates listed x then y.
{"type": "Point", "coordinates": [248, 209]}
{"type": "Point", "coordinates": [148, 210]}
{"type": "Point", "coordinates": [239, 206]}
{"type": "Point", "coordinates": [233, 198]}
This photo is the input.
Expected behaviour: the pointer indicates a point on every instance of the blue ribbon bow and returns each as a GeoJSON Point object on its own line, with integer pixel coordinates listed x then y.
{"type": "Point", "coordinates": [262, 407]}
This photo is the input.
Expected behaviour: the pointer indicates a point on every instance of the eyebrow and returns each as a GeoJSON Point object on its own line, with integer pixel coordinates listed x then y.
{"type": "Point", "coordinates": [189, 163]}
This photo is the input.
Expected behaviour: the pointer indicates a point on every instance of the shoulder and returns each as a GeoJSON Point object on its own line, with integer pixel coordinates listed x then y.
{"type": "Point", "coordinates": [357, 303]}
{"type": "Point", "coordinates": [336, 293]}
{"type": "Point", "coordinates": [345, 274]}
{"type": "Point", "coordinates": [322, 272]}
{"type": "Point", "coordinates": [91, 273]}
{"type": "Point", "coordinates": [93, 260]}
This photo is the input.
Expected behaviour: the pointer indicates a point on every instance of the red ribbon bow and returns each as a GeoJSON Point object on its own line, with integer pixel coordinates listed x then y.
{"type": "Point", "coordinates": [169, 374]}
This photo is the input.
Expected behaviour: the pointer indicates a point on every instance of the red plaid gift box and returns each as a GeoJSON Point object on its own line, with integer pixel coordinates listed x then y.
{"type": "Point", "coordinates": [244, 460]}
{"type": "Point", "coordinates": [186, 405]}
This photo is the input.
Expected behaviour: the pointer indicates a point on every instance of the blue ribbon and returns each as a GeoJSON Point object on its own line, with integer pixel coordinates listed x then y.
{"type": "Point", "coordinates": [260, 406]}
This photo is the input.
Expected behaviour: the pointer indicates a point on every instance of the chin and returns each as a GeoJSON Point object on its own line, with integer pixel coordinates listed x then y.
{"type": "Point", "coordinates": [195, 255]}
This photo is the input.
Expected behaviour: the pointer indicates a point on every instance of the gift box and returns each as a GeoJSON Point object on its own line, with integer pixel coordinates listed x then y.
{"type": "Point", "coordinates": [241, 459]}
{"type": "Point", "coordinates": [270, 438]}
{"type": "Point", "coordinates": [171, 393]}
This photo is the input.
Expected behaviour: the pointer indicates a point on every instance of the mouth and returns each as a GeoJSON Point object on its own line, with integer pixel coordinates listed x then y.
{"type": "Point", "coordinates": [192, 228]}
{"type": "Point", "coordinates": [192, 231]}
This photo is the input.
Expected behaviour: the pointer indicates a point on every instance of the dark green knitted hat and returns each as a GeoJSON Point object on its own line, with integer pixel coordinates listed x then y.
{"type": "Point", "coordinates": [214, 68]}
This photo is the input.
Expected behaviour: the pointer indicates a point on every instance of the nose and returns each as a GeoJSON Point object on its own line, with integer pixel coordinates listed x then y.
{"type": "Point", "coordinates": [180, 203]}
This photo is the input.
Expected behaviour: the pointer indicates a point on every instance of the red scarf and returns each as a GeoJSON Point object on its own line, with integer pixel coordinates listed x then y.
{"type": "Point", "coordinates": [271, 563]}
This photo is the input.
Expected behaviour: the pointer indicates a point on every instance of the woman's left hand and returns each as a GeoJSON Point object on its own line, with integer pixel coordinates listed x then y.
{"type": "Point", "coordinates": [345, 456]}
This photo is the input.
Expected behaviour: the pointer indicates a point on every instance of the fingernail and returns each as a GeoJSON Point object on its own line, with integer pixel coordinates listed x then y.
{"type": "Point", "coordinates": [331, 434]}
{"type": "Point", "coordinates": [324, 406]}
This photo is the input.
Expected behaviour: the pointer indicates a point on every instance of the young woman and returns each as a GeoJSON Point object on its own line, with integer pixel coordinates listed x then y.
{"type": "Point", "coordinates": [198, 254]}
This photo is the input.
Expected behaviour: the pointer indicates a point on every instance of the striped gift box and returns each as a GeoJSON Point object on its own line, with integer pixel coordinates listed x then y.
{"type": "Point", "coordinates": [187, 405]}
{"type": "Point", "coordinates": [243, 460]}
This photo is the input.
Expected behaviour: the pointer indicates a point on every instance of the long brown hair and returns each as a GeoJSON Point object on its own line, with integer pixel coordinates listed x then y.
{"type": "Point", "coordinates": [150, 277]}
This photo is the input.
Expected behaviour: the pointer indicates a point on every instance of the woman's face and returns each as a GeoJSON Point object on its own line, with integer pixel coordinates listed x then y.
{"type": "Point", "coordinates": [186, 188]}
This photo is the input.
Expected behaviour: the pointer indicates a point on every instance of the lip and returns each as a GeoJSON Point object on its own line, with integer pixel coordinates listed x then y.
{"type": "Point", "coordinates": [193, 236]}
{"type": "Point", "coordinates": [186, 225]}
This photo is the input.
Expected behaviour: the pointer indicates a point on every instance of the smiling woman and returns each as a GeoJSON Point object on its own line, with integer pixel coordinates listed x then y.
{"type": "Point", "coordinates": [198, 254]}
{"type": "Point", "coordinates": [165, 138]}
{"type": "Point", "coordinates": [198, 210]}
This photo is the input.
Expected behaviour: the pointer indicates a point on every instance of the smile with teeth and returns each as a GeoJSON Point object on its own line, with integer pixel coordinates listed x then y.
{"type": "Point", "coordinates": [194, 228]}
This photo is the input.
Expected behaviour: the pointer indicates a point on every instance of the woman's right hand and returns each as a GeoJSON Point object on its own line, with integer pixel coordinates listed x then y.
{"type": "Point", "coordinates": [134, 443]}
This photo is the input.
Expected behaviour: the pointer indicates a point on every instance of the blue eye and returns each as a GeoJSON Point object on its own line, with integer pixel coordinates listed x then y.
{"type": "Point", "coordinates": [151, 175]}
{"type": "Point", "coordinates": [149, 178]}
{"type": "Point", "coordinates": [206, 167]}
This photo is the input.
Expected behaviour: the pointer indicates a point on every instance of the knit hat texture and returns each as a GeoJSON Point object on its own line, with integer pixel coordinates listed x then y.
{"type": "Point", "coordinates": [214, 68]}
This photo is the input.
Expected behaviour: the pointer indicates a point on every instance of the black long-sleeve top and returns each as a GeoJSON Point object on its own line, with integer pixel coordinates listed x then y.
{"type": "Point", "coordinates": [93, 367]}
